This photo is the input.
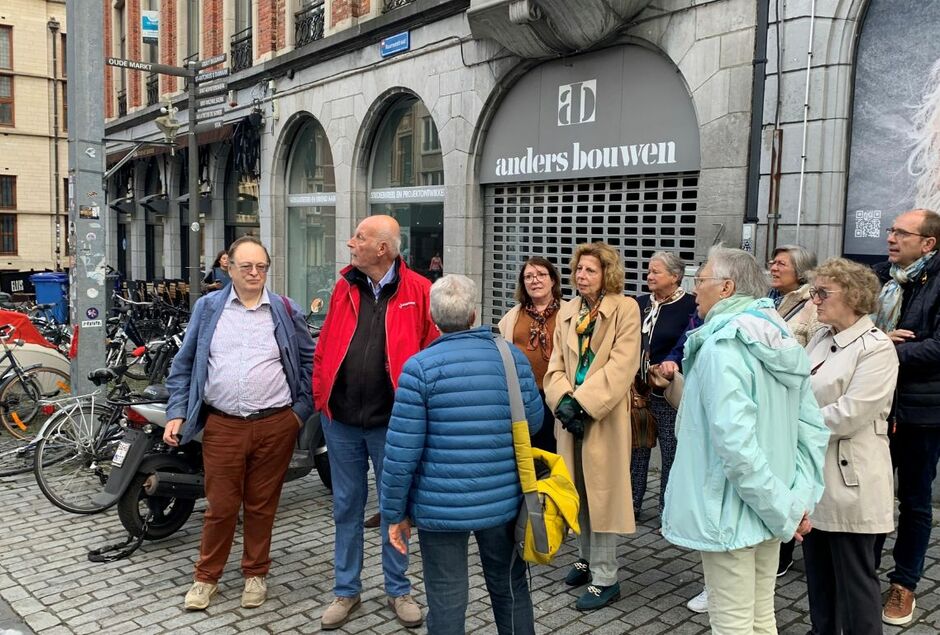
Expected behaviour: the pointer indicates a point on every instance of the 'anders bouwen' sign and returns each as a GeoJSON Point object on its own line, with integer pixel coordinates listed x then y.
{"type": "Point", "coordinates": [619, 111]}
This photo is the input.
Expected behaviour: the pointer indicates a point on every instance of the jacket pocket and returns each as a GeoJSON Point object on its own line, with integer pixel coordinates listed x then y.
{"type": "Point", "coordinates": [881, 427]}
{"type": "Point", "coordinates": [847, 463]}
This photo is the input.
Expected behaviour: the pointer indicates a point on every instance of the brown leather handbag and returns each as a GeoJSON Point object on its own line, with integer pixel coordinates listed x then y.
{"type": "Point", "coordinates": [642, 421]}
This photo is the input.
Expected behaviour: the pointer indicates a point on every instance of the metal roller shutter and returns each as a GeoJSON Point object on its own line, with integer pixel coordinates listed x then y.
{"type": "Point", "coordinates": [637, 215]}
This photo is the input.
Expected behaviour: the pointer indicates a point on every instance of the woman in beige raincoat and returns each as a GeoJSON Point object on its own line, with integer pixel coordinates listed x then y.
{"type": "Point", "coordinates": [595, 356]}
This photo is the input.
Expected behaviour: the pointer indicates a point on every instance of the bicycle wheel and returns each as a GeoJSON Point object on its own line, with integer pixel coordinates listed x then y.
{"type": "Point", "coordinates": [21, 399]}
{"type": "Point", "coordinates": [73, 459]}
{"type": "Point", "coordinates": [16, 456]}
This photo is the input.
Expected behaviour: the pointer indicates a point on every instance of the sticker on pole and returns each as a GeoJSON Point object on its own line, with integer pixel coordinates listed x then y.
{"type": "Point", "coordinates": [194, 227]}
{"type": "Point", "coordinates": [91, 313]}
{"type": "Point", "coordinates": [90, 324]}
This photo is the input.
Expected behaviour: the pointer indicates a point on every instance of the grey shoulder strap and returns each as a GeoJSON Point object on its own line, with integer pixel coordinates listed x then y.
{"type": "Point", "coordinates": [512, 379]}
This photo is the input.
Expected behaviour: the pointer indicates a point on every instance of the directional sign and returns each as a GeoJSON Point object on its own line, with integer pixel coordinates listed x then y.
{"type": "Point", "coordinates": [134, 65]}
{"type": "Point", "coordinates": [206, 76]}
{"type": "Point", "coordinates": [211, 61]}
{"type": "Point", "coordinates": [215, 88]}
{"type": "Point", "coordinates": [209, 114]}
{"type": "Point", "coordinates": [211, 101]}
{"type": "Point", "coordinates": [208, 126]}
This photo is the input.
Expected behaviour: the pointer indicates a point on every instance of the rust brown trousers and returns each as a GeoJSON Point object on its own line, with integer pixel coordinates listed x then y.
{"type": "Point", "coordinates": [245, 462]}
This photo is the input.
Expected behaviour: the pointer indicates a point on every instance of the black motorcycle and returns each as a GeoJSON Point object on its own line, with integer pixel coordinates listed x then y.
{"type": "Point", "coordinates": [155, 486]}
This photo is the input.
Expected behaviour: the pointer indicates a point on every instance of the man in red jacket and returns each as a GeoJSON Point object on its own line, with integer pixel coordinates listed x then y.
{"type": "Point", "coordinates": [379, 316]}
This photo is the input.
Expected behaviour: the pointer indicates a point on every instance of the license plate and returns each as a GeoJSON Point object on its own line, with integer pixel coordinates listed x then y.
{"type": "Point", "coordinates": [120, 453]}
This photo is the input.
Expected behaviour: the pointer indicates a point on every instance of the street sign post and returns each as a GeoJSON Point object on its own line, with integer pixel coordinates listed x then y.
{"type": "Point", "coordinates": [204, 92]}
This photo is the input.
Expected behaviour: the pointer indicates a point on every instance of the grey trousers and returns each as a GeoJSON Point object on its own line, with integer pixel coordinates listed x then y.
{"type": "Point", "coordinates": [599, 549]}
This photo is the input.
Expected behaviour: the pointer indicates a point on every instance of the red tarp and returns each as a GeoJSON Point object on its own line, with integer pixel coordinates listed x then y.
{"type": "Point", "coordinates": [24, 328]}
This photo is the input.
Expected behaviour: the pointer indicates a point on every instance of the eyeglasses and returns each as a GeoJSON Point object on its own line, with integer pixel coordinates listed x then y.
{"type": "Point", "coordinates": [778, 263]}
{"type": "Point", "coordinates": [261, 268]}
{"type": "Point", "coordinates": [903, 233]}
{"type": "Point", "coordinates": [700, 280]}
{"type": "Point", "coordinates": [532, 277]}
{"type": "Point", "coordinates": [821, 294]}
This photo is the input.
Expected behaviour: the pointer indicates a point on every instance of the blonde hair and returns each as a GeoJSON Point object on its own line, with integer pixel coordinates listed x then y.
{"type": "Point", "coordinates": [860, 286]}
{"type": "Point", "coordinates": [610, 263]}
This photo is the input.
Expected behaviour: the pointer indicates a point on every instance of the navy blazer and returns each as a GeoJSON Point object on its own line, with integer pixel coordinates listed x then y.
{"type": "Point", "coordinates": [187, 380]}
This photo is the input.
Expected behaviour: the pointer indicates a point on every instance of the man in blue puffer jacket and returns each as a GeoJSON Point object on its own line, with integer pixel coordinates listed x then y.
{"type": "Point", "coordinates": [450, 466]}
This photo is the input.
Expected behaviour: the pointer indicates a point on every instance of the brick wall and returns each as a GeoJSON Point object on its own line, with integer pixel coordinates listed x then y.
{"type": "Point", "coordinates": [272, 33]}
{"type": "Point", "coordinates": [134, 78]}
{"type": "Point", "coordinates": [109, 103]}
{"type": "Point", "coordinates": [212, 20]}
{"type": "Point", "coordinates": [344, 9]}
{"type": "Point", "coordinates": [169, 37]}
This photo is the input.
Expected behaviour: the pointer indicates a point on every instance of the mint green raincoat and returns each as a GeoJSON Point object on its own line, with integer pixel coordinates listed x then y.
{"type": "Point", "coordinates": [751, 438]}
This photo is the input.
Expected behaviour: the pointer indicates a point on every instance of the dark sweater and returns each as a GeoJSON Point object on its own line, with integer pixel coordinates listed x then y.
{"type": "Point", "coordinates": [670, 326]}
{"type": "Point", "coordinates": [363, 394]}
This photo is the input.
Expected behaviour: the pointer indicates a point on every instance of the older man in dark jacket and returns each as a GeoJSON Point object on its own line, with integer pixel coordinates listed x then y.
{"type": "Point", "coordinates": [909, 312]}
{"type": "Point", "coordinates": [450, 466]}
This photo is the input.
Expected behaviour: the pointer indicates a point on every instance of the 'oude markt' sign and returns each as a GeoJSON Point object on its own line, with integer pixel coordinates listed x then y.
{"type": "Point", "coordinates": [620, 111]}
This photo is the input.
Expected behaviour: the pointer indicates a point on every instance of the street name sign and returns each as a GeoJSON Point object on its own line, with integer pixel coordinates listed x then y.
{"type": "Point", "coordinates": [210, 61]}
{"type": "Point", "coordinates": [211, 101]}
{"type": "Point", "coordinates": [151, 67]}
{"type": "Point", "coordinates": [208, 126]}
{"type": "Point", "coordinates": [394, 44]}
{"type": "Point", "coordinates": [209, 114]}
{"type": "Point", "coordinates": [215, 88]}
{"type": "Point", "coordinates": [207, 76]}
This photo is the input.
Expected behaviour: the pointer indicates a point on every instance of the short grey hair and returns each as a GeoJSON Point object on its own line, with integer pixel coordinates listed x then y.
{"type": "Point", "coordinates": [803, 259]}
{"type": "Point", "coordinates": [393, 240]}
{"type": "Point", "coordinates": [453, 298]}
{"type": "Point", "coordinates": [741, 268]}
{"type": "Point", "coordinates": [672, 262]}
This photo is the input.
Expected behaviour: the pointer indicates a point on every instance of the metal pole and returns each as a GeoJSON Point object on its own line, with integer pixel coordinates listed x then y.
{"type": "Point", "coordinates": [88, 215]}
{"type": "Point", "coordinates": [195, 271]}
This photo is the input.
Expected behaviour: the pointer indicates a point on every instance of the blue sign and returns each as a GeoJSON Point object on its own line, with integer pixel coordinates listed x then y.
{"type": "Point", "coordinates": [150, 26]}
{"type": "Point", "coordinates": [394, 44]}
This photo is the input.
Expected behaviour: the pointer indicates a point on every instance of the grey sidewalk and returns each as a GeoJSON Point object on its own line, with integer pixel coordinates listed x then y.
{"type": "Point", "coordinates": [48, 582]}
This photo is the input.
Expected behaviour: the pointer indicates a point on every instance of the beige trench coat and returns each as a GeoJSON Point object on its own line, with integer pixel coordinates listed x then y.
{"type": "Point", "coordinates": [604, 395]}
{"type": "Point", "coordinates": [856, 372]}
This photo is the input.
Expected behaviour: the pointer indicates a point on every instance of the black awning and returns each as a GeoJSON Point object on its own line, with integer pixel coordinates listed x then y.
{"type": "Point", "coordinates": [205, 203]}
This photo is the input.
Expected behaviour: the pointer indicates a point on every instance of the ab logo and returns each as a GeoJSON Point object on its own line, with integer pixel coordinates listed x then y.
{"type": "Point", "coordinates": [577, 102]}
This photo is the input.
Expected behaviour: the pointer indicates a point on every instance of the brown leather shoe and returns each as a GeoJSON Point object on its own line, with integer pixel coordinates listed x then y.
{"type": "Point", "coordinates": [406, 610]}
{"type": "Point", "coordinates": [373, 521]}
{"type": "Point", "coordinates": [899, 606]}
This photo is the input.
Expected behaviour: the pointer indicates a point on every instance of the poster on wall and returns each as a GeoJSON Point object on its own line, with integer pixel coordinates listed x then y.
{"type": "Point", "coordinates": [894, 162]}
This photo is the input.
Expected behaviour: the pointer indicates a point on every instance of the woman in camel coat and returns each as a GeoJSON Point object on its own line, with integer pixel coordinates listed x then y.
{"type": "Point", "coordinates": [595, 356]}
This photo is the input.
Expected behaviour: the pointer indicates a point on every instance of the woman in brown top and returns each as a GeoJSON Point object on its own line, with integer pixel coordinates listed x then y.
{"type": "Point", "coordinates": [530, 325]}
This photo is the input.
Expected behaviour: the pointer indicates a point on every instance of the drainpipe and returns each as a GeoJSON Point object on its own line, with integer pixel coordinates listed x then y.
{"type": "Point", "coordinates": [809, 63]}
{"type": "Point", "coordinates": [53, 26]}
{"type": "Point", "coordinates": [757, 110]}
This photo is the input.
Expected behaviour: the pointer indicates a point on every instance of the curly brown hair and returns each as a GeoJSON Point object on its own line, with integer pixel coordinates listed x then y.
{"type": "Point", "coordinates": [522, 294]}
{"type": "Point", "coordinates": [859, 284]}
{"type": "Point", "coordinates": [611, 263]}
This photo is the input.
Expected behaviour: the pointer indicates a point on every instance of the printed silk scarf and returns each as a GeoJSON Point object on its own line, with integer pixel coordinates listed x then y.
{"type": "Point", "coordinates": [538, 330]}
{"type": "Point", "coordinates": [892, 295]}
{"type": "Point", "coordinates": [649, 321]}
{"type": "Point", "coordinates": [587, 317]}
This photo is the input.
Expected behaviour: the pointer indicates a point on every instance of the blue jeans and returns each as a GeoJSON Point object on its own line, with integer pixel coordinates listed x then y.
{"type": "Point", "coordinates": [446, 580]}
{"type": "Point", "coordinates": [350, 448]}
{"type": "Point", "coordinates": [914, 453]}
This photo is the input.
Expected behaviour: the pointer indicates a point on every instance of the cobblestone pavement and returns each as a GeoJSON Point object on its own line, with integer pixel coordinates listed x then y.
{"type": "Point", "coordinates": [49, 584]}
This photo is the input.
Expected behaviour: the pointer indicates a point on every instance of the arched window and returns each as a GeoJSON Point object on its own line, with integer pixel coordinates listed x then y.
{"type": "Point", "coordinates": [311, 219]}
{"type": "Point", "coordinates": [407, 182]}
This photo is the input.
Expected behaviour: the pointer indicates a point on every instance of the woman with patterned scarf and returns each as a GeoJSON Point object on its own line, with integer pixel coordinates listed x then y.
{"type": "Point", "coordinates": [530, 325]}
{"type": "Point", "coordinates": [596, 355]}
{"type": "Point", "coordinates": [668, 312]}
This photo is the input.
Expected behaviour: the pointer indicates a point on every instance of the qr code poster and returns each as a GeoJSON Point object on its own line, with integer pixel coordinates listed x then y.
{"type": "Point", "coordinates": [868, 223]}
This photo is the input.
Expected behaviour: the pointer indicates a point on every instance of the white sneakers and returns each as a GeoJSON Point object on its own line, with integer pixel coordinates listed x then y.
{"type": "Point", "coordinates": [698, 604]}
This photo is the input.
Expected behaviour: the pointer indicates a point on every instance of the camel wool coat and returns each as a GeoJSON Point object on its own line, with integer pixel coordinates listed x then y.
{"type": "Point", "coordinates": [605, 396]}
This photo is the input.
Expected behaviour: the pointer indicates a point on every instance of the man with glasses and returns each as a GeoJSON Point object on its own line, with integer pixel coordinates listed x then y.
{"type": "Point", "coordinates": [379, 316]}
{"type": "Point", "coordinates": [242, 378]}
{"type": "Point", "coordinates": [909, 312]}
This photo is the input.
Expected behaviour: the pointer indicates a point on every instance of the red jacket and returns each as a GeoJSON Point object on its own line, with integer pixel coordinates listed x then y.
{"type": "Point", "coordinates": [408, 329]}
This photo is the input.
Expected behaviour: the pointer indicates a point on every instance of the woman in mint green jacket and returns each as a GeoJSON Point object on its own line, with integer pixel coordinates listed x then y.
{"type": "Point", "coordinates": [751, 444]}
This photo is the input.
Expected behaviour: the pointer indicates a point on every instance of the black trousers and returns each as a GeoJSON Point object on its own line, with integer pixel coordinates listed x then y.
{"type": "Point", "coordinates": [844, 594]}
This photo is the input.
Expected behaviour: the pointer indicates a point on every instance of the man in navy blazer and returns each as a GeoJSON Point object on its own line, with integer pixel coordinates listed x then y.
{"type": "Point", "coordinates": [242, 378]}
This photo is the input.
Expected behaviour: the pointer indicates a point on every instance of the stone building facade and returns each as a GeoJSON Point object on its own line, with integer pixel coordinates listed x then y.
{"type": "Point", "coordinates": [33, 151]}
{"type": "Point", "coordinates": [343, 127]}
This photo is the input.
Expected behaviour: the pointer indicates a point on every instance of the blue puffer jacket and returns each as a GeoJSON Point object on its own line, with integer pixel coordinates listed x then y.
{"type": "Point", "coordinates": [449, 460]}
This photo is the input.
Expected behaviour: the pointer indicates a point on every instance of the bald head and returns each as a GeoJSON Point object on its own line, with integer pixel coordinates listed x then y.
{"type": "Point", "coordinates": [375, 245]}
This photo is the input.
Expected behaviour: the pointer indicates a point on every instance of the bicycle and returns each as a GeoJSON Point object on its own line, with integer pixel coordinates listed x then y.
{"type": "Point", "coordinates": [23, 389]}
{"type": "Point", "coordinates": [75, 451]}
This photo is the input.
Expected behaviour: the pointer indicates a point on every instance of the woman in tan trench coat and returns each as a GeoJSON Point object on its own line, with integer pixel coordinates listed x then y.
{"type": "Point", "coordinates": [595, 356]}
